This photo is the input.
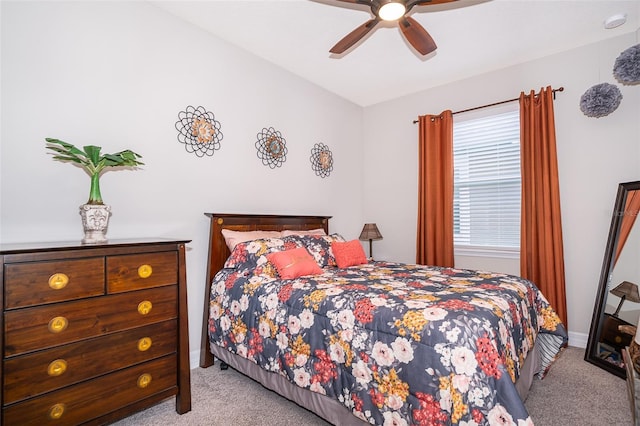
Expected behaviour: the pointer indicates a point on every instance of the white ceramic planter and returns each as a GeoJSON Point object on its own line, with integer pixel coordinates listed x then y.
{"type": "Point", "coordinates": [95, 219]}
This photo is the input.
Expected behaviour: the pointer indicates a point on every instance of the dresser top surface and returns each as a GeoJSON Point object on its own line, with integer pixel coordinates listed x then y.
{"type": "Point", "coordinates": [14, 248]}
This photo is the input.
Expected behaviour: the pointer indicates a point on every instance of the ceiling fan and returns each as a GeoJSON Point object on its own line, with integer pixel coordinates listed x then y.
{"type": "Point", "coordinates": [392, 10]}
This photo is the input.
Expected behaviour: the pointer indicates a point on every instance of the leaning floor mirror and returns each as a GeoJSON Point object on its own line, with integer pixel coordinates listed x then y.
{"type": "Point", "coordinates": [617, 306]}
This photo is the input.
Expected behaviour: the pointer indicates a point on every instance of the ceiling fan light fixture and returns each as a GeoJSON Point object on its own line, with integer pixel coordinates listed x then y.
{"type": "Point", "coordinates": [391, 11]}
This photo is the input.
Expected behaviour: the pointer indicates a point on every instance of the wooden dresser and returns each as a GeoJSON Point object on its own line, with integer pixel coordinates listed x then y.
{"type": "Point", "coordinates": [92, 333]}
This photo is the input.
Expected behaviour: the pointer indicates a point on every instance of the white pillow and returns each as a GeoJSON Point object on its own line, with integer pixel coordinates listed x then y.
{"type": "Point", "coordinates": [233, 238]}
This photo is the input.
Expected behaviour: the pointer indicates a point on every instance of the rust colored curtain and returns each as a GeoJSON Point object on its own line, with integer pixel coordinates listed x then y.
{"type": "Point", "coordinates": [541, 248]}
{"type": "Point", "coordinates": [435, 190]}
{"type": "Point", "coordinates": [631, 209]}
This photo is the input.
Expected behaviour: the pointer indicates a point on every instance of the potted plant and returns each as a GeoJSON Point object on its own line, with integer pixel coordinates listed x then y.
{"type": "Point", "coordinates": [95, 214]}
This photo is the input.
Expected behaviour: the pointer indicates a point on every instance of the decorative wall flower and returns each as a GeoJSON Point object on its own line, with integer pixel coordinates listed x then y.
{"type": "Point", "coordinates": [600, 100]}
{"type": "Point", "coordinates": [199, 131]}
{"type": "Point", "coordinates": [272, 147]}
{"type": "Point", "coordinates": [321, 160]}
{"type": "Point", "coordinates": [627, 66]}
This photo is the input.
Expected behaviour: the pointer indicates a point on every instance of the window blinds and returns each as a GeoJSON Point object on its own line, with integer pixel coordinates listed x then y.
{"type": "Point", "coordinates": [486, 200]}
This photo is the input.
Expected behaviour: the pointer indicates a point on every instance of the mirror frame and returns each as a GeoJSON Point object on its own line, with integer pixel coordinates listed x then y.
{"type": "Point", "coordinates": [607, 269]}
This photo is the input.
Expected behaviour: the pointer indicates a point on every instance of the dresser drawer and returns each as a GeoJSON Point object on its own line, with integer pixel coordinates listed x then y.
{"type": "Point", "coordinates": [44, 371]}
{"type": "Point", "coordinates": [44, 327]}
{"type": "Point", "coordinates": [35, 283]}
{"type": "Point", "coordinates": [97, 397]}
{"type": "Point", "coordinates": [137, 271]}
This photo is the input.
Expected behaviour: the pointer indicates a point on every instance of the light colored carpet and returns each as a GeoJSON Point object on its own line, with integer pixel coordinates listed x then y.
{"type": "Point", "coordinates": [573, 393]}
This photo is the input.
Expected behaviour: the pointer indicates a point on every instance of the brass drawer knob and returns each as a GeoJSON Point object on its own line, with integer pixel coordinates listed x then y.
{"type": "Point", "coordinates": [57, 367]}
{"type": "Point", "coordinates": [145, 271]}
{"type": "Point", "coordinates": [144, 380]}
{"type": "Point", "coordinates": [144, 307]}
{"type": "Point", "coordinates": [144, 344]}
{"type": "Point", "coordinates": [58, 281]}
{"type": "Point", "coordinates": [58, 324]}
{"type": "Point", "coordinates": [56, 411]}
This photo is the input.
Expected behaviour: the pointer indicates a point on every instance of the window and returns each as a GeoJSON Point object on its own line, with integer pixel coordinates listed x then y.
{"type": "Point", "coordinates": [486, 201]}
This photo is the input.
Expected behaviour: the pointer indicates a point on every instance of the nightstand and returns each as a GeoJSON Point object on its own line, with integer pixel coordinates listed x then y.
{"type": "Point", "coordinates": [92, 333]}
{"type": "Point", "coordinates": [612, 335]}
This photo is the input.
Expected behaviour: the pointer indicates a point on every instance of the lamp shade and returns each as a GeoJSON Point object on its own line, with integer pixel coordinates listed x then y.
{"type": "Point", "coordinates": [627, 290]}
{"type": "Point", "coordinates": [370, 232]}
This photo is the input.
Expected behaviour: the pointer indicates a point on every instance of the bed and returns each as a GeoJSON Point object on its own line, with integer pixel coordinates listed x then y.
{"type": "Point", "coordinates": [374, 342]}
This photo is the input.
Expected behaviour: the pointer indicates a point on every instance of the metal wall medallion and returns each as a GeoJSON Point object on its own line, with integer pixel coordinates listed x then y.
{"type": "Point", "coordinates": [321, 160]}
{"type": "Point", "coordinates": [272, 147]}
{"type": "Point", "coordinates": [199, 131]}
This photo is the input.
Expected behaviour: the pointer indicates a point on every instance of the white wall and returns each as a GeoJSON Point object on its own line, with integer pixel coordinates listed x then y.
{"type": "Point", "coordinates": [594, 155]}
{"type": "Point", "coordinates": [116, 74]}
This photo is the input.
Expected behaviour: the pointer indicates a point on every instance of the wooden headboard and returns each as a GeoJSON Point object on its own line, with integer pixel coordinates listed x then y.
{"type": "Point", "coordinates": [219, 252]}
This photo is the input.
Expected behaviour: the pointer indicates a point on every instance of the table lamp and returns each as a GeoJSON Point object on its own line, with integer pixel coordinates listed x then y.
{"type": "Point", "coordinates": [625, 290]}
{"type": "Point", "coordinates": [370, 232]}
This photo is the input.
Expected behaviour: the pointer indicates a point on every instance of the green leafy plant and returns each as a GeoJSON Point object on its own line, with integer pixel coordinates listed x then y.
{"type": "Point", "coordinates": [92, 161]}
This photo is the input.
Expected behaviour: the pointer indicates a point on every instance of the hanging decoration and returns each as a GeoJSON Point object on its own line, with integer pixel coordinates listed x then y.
{"type": "Point", "coordinates": [627, 66]}
{"type": "Point", "coordinates": [321, 160]}
{"type": "Point", "coordinates": [272, 147]}
{"type": "Point", "coordinates": [600, 100]}
{"type": "Point", "coordinates": [199, 131]}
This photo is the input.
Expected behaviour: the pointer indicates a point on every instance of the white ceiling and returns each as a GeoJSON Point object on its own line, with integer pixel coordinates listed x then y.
{"type": "Point", "coordinates": [473, 37]}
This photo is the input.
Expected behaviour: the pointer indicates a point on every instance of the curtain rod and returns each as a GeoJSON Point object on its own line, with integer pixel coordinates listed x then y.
{"type": "Point", "coordinates": [560, 89]}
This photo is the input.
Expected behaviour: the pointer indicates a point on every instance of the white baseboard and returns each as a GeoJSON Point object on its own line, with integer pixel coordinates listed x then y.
{"type": "Point", "coordinates": [194, 359]}
{"type": "Point", "coordinates": [578, 340]}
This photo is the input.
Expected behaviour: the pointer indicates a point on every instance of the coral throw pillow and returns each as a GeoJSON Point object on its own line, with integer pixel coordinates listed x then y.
{"type": "Point", "coordinates": [349, 253]}
{"type": "Point", "coordinates": [294, 263]}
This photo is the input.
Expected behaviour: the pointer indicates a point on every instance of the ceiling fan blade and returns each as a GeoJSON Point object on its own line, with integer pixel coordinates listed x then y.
{"type": "Point", "coordinates": [361, 1]}
{"type": "Point", "coordinates": [353, 37]}
{"type": "Point", "coordinates": [416, 35]}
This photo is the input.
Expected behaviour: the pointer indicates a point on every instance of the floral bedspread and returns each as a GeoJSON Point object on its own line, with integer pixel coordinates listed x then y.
{"type": "Point", "coordinates": [396, 344]}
